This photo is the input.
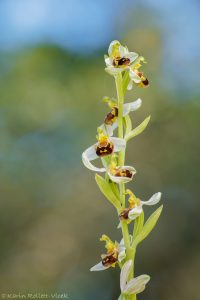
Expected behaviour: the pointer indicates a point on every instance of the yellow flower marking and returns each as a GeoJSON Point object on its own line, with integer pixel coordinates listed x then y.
{"type": "Point", "coordinates": [112, 252]}
{"type": "Point", "coordinates": [103, 140]}
{"type": "Point", "coordinates": [133, 200]}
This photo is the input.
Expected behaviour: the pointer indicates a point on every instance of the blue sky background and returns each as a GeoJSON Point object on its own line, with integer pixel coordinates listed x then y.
{"type": "Point", "coordinates": [87, 26]}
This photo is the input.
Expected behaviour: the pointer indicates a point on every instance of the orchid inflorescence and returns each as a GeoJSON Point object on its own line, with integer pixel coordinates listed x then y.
{"type": "Point", "coordinates": [124, 67]}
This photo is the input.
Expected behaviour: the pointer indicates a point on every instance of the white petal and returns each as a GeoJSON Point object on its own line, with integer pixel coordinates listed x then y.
{"type": "Point", "coordinates": [135, 212]}
{"type": "Point", "coordinates": [136, 285]}
{"type": "Point", "coordinates": [153, 200]}
{"type": "Point", "coordinates": [134, 76]}
{"type": "Point", "coordinates": [125, 273]}
{"type": "Point", "coordinates": [132, 106]}
{"type": "Point", "coordinates": [98, 267]}
{"type": "Point", "coordinates": [124, 179]}
{"type": "Point", "coordinates": [107, 129]}
{"type": "Point", "coordinates": [122, 242]}
{"type": "Point", "coordinates": [132, 56]}
{"type": "Point", "coordinates": [122, 255]}
{"type": "Point", "coordinates": [123, 51]}
{"type": "Point", "coordinates": [119, 144]}
{"type": "Point", "coordinates": [114, 125]}
{"type": "Point", "coordinates": [109, 62]}
{"type": "Point", "coordinates": [130, 85]}
{"type": "Point", "coordinates": [88, 155]}
{"type": "Point", "coordinates": [110, 48]}
{"type": "Point", "coordinates": [91, 152]}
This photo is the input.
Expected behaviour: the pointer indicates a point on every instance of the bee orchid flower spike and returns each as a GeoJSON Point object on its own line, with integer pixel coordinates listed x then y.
{"type": "Point", "coordinates": [112, 138]}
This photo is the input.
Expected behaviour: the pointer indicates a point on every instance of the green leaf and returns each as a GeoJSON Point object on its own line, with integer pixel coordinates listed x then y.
{"type": "Point", "coordinates": [115, 189]}
{"type": "Point", "coordinates": [139, 129]}
{"type": "Point", "coordinates": [107, 191]}
{"type": "Point", "coordinates": [128, 124]}
{"type": "Point", "coordinates": [138, 225]}
{"type": "Point", "coordinates": [148, 226]}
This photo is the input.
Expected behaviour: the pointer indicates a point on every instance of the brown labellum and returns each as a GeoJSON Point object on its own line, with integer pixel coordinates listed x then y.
{"type": "Point", "coordinates": [123, 173]}
{"type": "Point", "coordinates": [124, 214]}
{"type": "Point", "coordinates": [105, 150]}
{"type": "Point", "coordinates": [111, 116]}
{"type": "Point", "coordinates": [145, 82]}
{"type": "Point", "coordinates": [124, 61]}
{"type": "Point", "coordinates": [109, 259]}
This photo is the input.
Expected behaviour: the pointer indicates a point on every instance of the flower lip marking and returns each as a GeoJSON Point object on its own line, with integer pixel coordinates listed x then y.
{"type": "Point", "coordinates": [144, 80]}
{"type": "Point", "coordinates": [104, 146]}
{"type": "Point", "coordinates": [121, 61]}
{"type": "Point", "coordinates": [124, 214]}
{"type": "Point", "coordinates": [105, 150]}
{"type": "Point", "coordinates": [110, 259]}
{"type": "Point", "coordinates": [120, 174]}
{"type": "Point", "coordinates": [124, 173]}
{"type": "Point", "coordinates": [111, 116]}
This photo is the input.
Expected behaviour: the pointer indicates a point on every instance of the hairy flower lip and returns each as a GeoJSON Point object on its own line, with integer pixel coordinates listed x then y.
{"type": "Point", "coordinates": [111, 116]}
{"type": "Point", "coordinates": [110, 259]}
{"type": "Point", "coordinates": [121, 61]}
{"type": "Point", "coordinates": [124, 214]}
{"type": "Point", "coordinates": [105, 150]}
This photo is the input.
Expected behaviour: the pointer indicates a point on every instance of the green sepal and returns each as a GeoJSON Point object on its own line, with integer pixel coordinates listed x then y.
{"type": "Point", "coordinates": [126, 80]}
{"type": "Point", "coordinates": [148, 226]}
{"type": "Point", "coordinates": [138, 225]}
{"type": "Point", "coordinates": [139, 129]}
{"type": "Point", "coordinates": [107, 191]}
{"type": "Point", "coordinates": [128, 124]}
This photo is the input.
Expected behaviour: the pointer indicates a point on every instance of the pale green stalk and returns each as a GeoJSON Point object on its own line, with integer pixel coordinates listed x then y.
{"type": "Point", "coordinates": [121, 160]}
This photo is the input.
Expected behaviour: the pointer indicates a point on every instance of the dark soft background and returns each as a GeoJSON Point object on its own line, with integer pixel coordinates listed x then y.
{"type": "Point", "coordinates": [52, 81]}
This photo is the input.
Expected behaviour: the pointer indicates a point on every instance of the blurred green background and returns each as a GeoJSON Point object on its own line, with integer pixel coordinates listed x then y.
{"type": "Point", "coordinates": [52, 82]}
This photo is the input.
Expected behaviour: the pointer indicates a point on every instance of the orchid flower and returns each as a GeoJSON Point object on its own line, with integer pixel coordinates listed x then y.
{"type": "Point", "coordinates": [136, 206]}
{"type": "Point", "coordinates": [115, 253]}
{"type": "Point", "coordinates": [118, 58]}
{"type": "Point", "coordinates": [135, 285]}
{"type": "Point", "coordinates": [137, 76]}
{"type": "Point", "coordinates": [120, 174]}
{"type": "Point", "coordinates": [110, 121]}
{"type": "Point", "coordinates": [116, 173]}
{"type": "Point", "coordinates": [105, 146]}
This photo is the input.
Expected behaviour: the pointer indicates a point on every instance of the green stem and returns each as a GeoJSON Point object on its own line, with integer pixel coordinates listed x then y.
{"type": "Point", "coordinates": [130, 252]}
{"type": "Point", "coordinates": [121, 158]}
{"type": "Point", "coordinates": [120, 96]}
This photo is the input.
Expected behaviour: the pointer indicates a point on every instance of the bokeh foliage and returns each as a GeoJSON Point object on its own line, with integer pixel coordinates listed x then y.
{"type": "Point", "coordinates": [51, 212]}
